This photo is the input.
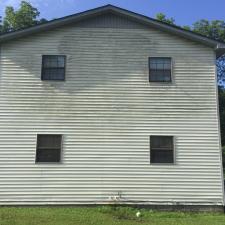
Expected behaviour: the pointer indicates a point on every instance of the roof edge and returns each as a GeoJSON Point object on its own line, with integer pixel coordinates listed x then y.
{"type": "Point", "coordinates": [53, 23]}
{"type": "Point", "coordinates": [218, 46]}
{"type": "Point", "coordinates": [220, 50]}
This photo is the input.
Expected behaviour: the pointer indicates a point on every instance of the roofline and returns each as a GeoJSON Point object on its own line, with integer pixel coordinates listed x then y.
{"type": "Point", "coordinates": [218, 46]}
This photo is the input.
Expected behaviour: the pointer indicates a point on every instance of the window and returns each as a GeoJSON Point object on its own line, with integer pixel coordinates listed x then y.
{"type": "Point", "coordinates": [161, 149]}
{"type": "Point", "coordinates": [48, 148]}
{"type": "Point", "coordinates": [53, 67]}
{"type": "Point", "coordinates": [159, 69]}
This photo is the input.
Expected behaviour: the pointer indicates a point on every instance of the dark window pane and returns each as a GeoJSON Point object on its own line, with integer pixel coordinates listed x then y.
{"type": "Point", "coordinates": [161, 149]}
{"type": "Point", "coordinates": [159, 69]}
{"type": "Point", "coordinates": [48, 148]}
{"type": "Point", "coordinates": [162, 142]}
{"type": "Point", "coordinates": [160, 76]}
{"type": "Point", "coordinates": [162, 156]}
{"type": "Point", "coordinates": [50, 141]}
{"type": "Point", "coordinates": [53, 67]}
{"type": "Point", "coordinates": [53, 74]}
{"type": "Point", "coordinates": [48, 155]}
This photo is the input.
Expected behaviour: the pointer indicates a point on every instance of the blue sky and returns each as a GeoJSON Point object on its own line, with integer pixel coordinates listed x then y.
{"type": "Point", "coordinates": [185, 12]}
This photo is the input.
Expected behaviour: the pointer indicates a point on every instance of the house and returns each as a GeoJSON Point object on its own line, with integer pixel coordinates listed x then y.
{"type": "Point", "coordinates": [109, 106]}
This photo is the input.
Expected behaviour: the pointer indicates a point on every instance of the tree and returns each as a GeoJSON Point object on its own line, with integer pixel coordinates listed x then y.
{"type": "Point", "coordinates": [162, 17]}
{"type": "Point", "coordinates": [222, 114]}
{"type": "Point", "coordinates": [0, 24]}
{"type": "Point", "coordinates": [216, 30]}
{"type": "Point", "coordinates": [221, 71]}
{"type": "Point", "coordinates": [187, 27]}
{"type": "Point", "coordinates": [25, 16]}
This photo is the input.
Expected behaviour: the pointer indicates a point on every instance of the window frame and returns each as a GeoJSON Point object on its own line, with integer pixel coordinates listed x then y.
{"type": "Point", "coordinates": [61, 149]}
{"type": "Point", "coordinates": [171, 70]}
{"type": "Point", "coordinates": [42, 68]}
{"type": "Point", "coordinates": [174, 150]}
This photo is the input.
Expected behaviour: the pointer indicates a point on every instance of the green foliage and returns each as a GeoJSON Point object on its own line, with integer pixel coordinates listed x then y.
{"type": "Point", "coordinates": [220, 63]}
{"type": "Point", "coordinates": [223, 157]}
{"type": "Point", "coordinates": [187, 27]}
{"type": "Point", "coordinates": [214, 29]}
{"type": "Point", "coordinates": [25, 16]}
{"type": "Point", "coordinates": [162, 17]}
{"type": "Point", "coordinates": [222, 114]}
{"type": "Point", "coordinates": [0, 24]}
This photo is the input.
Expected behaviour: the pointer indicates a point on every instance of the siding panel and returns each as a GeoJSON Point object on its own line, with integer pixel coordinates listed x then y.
{"type": "Point", "coordinates": [106, 110]}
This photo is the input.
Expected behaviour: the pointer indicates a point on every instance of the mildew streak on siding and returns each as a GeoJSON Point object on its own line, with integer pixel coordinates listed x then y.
{"type": "Point", "coordinates": [106, 110]}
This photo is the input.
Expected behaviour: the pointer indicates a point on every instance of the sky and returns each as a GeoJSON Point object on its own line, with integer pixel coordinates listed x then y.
{"type": "Point", "coordinates": [185, 12]}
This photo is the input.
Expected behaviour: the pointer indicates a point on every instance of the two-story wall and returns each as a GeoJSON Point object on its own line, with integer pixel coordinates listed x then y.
{"type": "Point", "coordinates": [106, 110]}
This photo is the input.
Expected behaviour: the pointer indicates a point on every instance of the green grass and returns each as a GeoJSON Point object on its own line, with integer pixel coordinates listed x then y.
{"type": "Point", "coordinates": [102, 216]}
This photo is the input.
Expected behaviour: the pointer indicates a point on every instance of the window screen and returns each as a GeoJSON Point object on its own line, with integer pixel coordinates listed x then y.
{"type": "Point", "coordinates": [53, 67]}
{"type": "Point", "coordinates": [159, 69]}
{"type": "Point", "coordinates": [161, 149]}
{"type": "Point", "coordinates": [48, 148]}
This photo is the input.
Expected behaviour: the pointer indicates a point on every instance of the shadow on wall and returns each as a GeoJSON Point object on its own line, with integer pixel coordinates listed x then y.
{"type": "Point", "coordinates": [109, 67]}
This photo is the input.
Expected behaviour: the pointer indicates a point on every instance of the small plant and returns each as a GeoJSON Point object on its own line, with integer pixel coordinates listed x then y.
{"type": "Point", "coordinates": [138, 214]}
{"type": "Point", "coordinates": [122, 213]}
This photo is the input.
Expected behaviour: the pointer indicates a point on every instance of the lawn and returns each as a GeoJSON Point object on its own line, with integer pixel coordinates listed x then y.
{"type": "Point", "coordinates": [102, 216]}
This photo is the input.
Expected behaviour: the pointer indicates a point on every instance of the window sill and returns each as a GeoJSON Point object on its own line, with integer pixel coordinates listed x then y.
{"type": "Point", "coordinates": [157, 83]}
{"type": "Point", "coordinates": [48, 163]}
{"type": "Point", "coordinates": [163, 164]}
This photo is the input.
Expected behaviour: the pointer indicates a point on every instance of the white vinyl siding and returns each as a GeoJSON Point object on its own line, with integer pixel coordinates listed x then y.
{"type": "Point", "coordinates": [106, 109]}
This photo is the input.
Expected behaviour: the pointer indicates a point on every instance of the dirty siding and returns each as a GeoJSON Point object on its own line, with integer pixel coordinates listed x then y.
{"type": "Point", "coordinates": [106, 110]}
